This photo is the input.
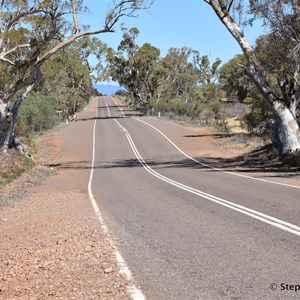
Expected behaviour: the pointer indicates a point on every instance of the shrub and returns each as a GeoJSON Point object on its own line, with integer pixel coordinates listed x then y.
{"type": "Point", "coordinates": [38, 113]}
{"type": "Point", "coordinates": [215, 107]}
{"type": "Point", "coordinates": [248, 100]}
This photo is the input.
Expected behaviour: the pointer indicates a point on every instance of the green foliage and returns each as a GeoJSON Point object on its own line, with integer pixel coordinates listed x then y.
{"type": "Point", "coordinates": [215, 107]}
{"type": "Point", "coordinates": [194, 109]}
{"type": "Point", "coordinates": [121, 93]}
{"type": "Point", "coordinates": [169, 105]}
{"type": "Point", "coordinates": [248, 100]}
{"type": "Point", "coordinates": [181, 83]}
{"type": "Point", "coordinates": [136, 68]}
{"type": "Point", "coordinates": [38, 113]}
{"type": "Point", "coordinates": [256, 120]}
{"type": "Point", "coordinates": [67, 79]}
{"type": "Point", "coordinates": [234, 80]}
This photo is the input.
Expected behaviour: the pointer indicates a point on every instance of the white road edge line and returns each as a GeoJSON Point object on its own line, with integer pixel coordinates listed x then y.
{"type": "Point", "coordinates": [242, 209]}
{"type": "Point", "coordinates": [132, 290]}
{"type": "Point", "coordinates": [108, 110]}
{"type": "Point", "coordinates": [211, 167]}
{"type": "Point", "coordinates": [203, 164]}
{"type": "Point", "coordinates": [120, 109]}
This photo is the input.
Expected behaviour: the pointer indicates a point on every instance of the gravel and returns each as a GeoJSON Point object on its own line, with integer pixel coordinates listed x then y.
{"type": "Point", "coordinates": [54, 248]}
{"type": "Point", "coordinates": [52, 244]}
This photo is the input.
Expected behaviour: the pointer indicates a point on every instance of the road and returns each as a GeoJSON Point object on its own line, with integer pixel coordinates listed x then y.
{"type": "Point", "coordinates": [188, 231]}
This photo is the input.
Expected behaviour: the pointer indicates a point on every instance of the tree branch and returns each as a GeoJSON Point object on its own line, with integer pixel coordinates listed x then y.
{"type": "Point", "coordinates": [75, 20]}
{"type": "Point", "coordinates": [22, 15]}
{"type": "Point", "coordinates": [229, 6]}
{"type": "Point", "coordinates": [3, 54]}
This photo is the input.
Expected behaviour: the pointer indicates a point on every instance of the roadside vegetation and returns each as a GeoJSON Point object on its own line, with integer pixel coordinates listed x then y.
{"type": "Point", "coordinates": [186, 83]}
{"type": "Point", "coordinates": [13, 164]}
{"type": "Point", "coordinates": [45, 73]}
{"type": "Point", "coordinates": [186, 86]}
{"type": "Point", "coordinates": [46, 77]}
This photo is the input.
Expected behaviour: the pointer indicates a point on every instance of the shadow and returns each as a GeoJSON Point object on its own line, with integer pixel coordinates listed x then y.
{"type": "Point", "coordinates": [251, 162]}
{"type": "Point", "coordinates": [112, 106]}
{"type": "Point", "coordinates": [76, 165]}
{"type": "Point", "coordinates": [260, 160]}
{"type": "Point", "coordinates": [214, 135]}
{"type": "Point", "coordinates": [101, 118]}
{"type": "Point", "coordinates": [128, 163]}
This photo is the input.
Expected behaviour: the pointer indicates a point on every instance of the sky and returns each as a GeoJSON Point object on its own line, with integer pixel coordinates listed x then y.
{"type": "Point", "coordinates": [173, 23]}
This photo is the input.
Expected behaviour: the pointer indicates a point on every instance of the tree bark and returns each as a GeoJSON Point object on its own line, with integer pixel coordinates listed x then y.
{"type": "Point", "coordinates": [9, 135]}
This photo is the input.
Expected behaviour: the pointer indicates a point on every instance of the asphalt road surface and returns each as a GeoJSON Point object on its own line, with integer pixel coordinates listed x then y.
{"type": "Point", "coordinates": [188, 231]}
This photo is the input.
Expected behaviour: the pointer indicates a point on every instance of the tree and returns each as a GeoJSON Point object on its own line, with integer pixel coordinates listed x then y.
{"type": "Point", "coordinates": [67, 75]}
{"type": "Point", "coordinates": [282, 19]}
{"type": "Point", "coordinates": [30, 33]}
{"type": "Point", "coordinates": [207, 73]}
{"type": "Point", "coordinates": [234, 80]}
{"type": "Point", "coordinates": [135, 68]}
{"type": "Point", "coordinates": [181, 76]}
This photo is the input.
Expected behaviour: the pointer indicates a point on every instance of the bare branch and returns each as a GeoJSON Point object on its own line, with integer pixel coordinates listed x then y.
{"type": "Point", "coordinates": [125, 8]}
{"type": "Point", "coordinates": [77, 30]}
{"type": "Point", "coordinates": [67, 42]}
{"type": "Point", "coordinates": [4, 54]}
{"type": "Point", "coordinates": [7, 60]}
{"type": "Point", "coordinates": [229, 6]}
{"type": "Point", "coordinates": [22, 15]}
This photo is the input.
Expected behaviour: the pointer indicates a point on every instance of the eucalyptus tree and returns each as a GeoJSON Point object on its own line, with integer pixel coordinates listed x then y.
{"type": "Point", "coordinates": [122, 67]}
{"type": "Point", "coordinates": [281, 18]}
{"type": "Point", "coordinates": [67, 75]}
{"type": "Point", "coordinates": [208, 73]}
{"type": "Point", "coordinates": [180, 74]}
{"type": "Point", "coordinates": [30, 33]}
{"type": "Point", "coordinates": [136, 68]}
{"type": "Point", "coordinates": [67, 80]}
{"type": "Point", "coordinates": [234, 80]}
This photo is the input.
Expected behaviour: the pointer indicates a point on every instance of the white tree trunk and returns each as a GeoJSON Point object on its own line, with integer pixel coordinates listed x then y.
{"type": "Point", "coordinates": [290, 131]}
{"type": "Point", "coordinates": [8, 134]}
{"type": "Point", "coordinates": [3, 122]}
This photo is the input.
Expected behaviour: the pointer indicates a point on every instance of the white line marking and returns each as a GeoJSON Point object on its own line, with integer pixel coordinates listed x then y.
{"type": "Point", "coordinates": [108, 110]}
{"type": "Point", "coordinates": [94, 203]}
{"type": "Point", "coordinates": [133, 291]}
{"type": "Point", "coordinates": [118, 107]}
{"type": "Point", "coordinates": [213, 168]}
{"type": "Point", "coordinates": [242, 209]}
{"type": "Point", "coordinates": [206, 165]}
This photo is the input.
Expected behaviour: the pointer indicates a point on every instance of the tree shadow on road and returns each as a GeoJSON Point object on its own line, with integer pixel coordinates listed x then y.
{"type": "Point", "coordinates": [100, 118]}
{"type": "Point", "coordinates": [260, 161]}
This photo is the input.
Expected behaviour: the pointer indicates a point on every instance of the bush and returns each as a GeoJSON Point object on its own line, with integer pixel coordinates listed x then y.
{"type": "Point", "coordinates": [194, 109]}
{"type": "Point", "coordinates": [169, 105]}
{"type": "Point", "coordinates": [215, 107]}
{"type": "Point", "coordinates": [38, 113]}
{"type": "Point", "coordinates": [248, 100]}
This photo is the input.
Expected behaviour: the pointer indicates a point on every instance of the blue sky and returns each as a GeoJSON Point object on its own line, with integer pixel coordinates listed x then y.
{"type": "Point", "coordinates": [174, 23]}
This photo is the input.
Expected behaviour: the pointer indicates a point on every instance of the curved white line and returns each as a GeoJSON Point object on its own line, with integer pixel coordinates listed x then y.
{"type": "Point", "coordinates": [133, 291]}
{"type": "Point", "coordinates": [211, 167]}
{"type": "Point", "coordinates": [121, 110]}
{"type": "Point", "coordinates": [206, 165]}
{"type": "Point", "coordinates": [242, 209]}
